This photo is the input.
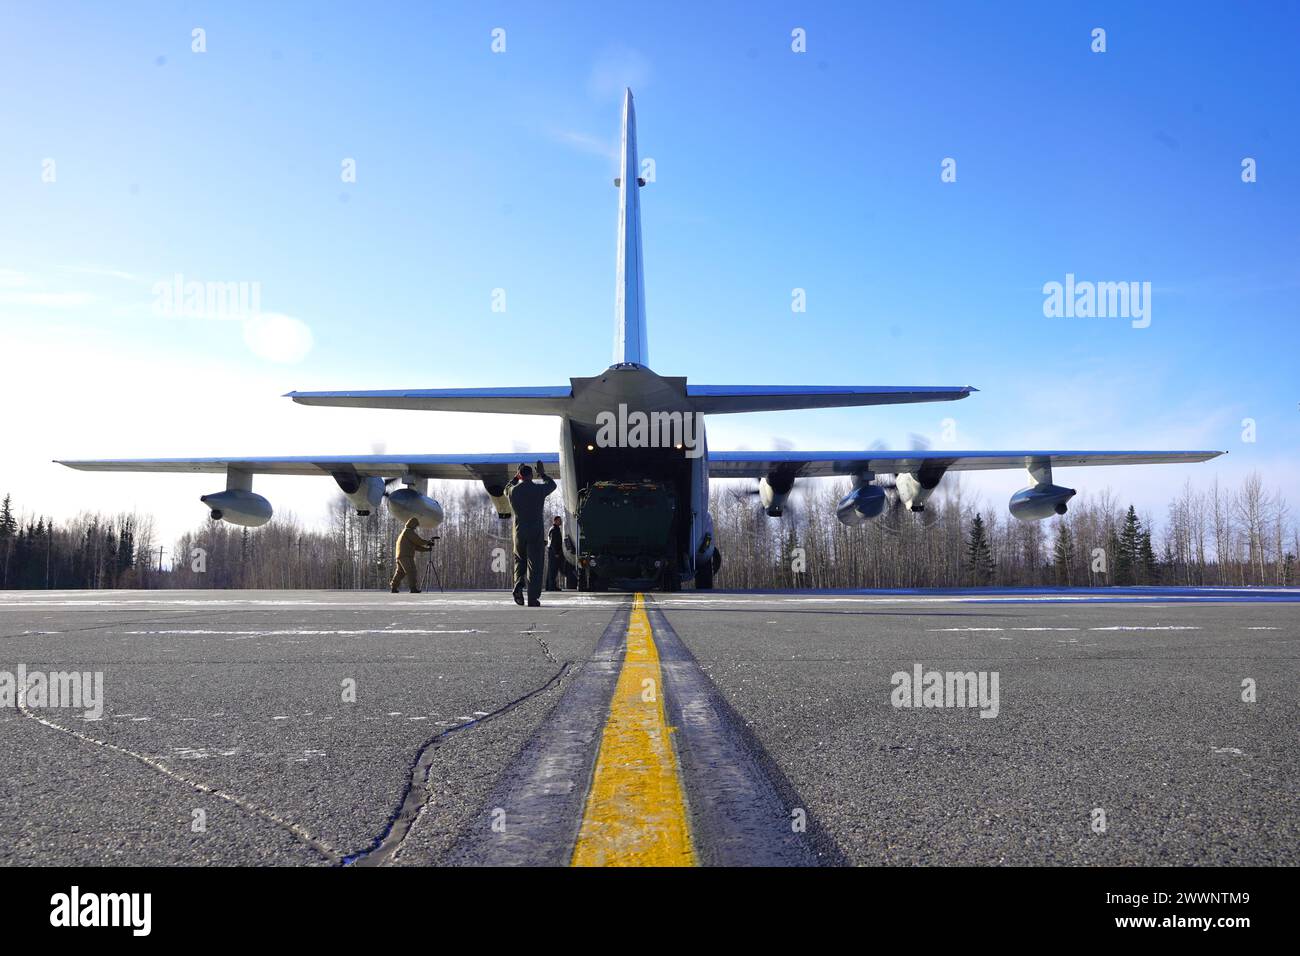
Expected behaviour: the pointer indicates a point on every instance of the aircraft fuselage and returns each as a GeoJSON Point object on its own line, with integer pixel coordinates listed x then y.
{"type": "Point", "coordinates": [635, 430]}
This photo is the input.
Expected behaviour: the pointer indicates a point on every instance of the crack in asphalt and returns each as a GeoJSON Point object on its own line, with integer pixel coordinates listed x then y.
{"type": "Point", "coordinates": [415, 800]}
{"type": "Point", "coordinates": [546, 648]}
{"type": "Point", "coordinates": [316, 844]}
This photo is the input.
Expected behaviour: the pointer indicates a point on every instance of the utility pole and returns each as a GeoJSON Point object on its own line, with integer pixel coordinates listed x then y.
{"type": "Point", "coordinates": [160, 554]}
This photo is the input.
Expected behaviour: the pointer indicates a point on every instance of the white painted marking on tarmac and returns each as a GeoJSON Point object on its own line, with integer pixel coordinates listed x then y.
{"type": "Point", "coordinates": [1145, 627]}
{"type": "Point", "coordinates": [441, 601]}
{"type": "Point", "coordinates": [209, 602]}
{"type": "Point", "coordinates": [1263, 628]}
{"type": "Point", "coordinates": [944, 629]}
{"type": "Point", "coordinates": [201, 753]}
{"type": "Point", "coordinates": [489, 599]}
{"type": "Point", "coordinates": [1228, 750]}
{"type": "Point", "coordinates": [1179, 600]}
{"type": "Point", "coordinates": [299, 632]}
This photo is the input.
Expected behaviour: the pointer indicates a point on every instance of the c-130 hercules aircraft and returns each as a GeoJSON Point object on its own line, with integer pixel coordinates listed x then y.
{"type": "Point", "coordinates": [633, 461]}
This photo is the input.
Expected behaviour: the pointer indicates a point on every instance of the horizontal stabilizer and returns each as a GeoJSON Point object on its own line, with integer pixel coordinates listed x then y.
{"type": "Point", "coordinates": [541, 400]}
{"type": "Point", "coordinates": [720, 399]}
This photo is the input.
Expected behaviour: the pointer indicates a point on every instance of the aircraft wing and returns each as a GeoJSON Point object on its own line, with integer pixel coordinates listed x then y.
{"type": "Point", "coordinates": [824, 464]}
{"type": "Point", "coordinates": [720, 399]}
{"type": "Point", "coordinates": [526, 400]}
{"type": "Point", "coordinates": [486, 467]}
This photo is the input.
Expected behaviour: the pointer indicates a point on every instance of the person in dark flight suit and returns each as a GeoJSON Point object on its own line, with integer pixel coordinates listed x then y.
{"type": "Point", "coordinates": [527, 500]}
{"type": "Point", "coordinates": [554, 554]}
{"type": "Point", "coordinates": [408, 542]}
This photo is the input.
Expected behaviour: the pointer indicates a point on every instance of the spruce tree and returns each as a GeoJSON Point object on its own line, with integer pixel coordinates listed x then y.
{"type": "Point", "coordinates": [1128, 558]}
{"type": "Point", "coordinates": [8, 526]}
{"type": "Point", "coordinates": [979, 556]}
{"type": "Point", "coordinates": [8, 540]}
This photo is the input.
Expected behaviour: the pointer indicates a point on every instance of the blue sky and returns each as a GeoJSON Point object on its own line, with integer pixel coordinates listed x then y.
{"type": "Point", "coordinates": [774, 170]}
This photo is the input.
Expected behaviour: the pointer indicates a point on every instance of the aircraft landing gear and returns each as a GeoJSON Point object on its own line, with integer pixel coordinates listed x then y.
{"type": "Point", "coordinates": [704, 575]}
{"type": "Point", "coordinates": [588, 580]}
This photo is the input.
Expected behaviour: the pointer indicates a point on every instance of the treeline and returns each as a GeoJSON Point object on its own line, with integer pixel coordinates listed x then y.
{"type": "Point", "coordinates": [1242, 536]}
{"type": "Point", "coordinates": [90, 551]}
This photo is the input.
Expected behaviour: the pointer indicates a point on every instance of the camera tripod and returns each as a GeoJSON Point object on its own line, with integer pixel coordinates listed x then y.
{"type": "Point", "coordinates": [431, 568]}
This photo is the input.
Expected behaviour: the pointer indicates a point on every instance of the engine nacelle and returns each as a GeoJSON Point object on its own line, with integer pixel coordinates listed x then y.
{"type": "Point", "coordinates": [405, 503]}
{"type": "Point", "coordinates": [773, 490]}
{"type": "Point", "coordinates": [364, 493]}
{"type": "Point", "coordinates": [1040, 501]}
{"type": "Point", "coordinates": [499, 500]}
{"type": "Point", "coordinates": [238, 507]}
{"type": "Point", "coordinates": [912, 492]}
{"type": "Point", "coordinates": [861, 505]}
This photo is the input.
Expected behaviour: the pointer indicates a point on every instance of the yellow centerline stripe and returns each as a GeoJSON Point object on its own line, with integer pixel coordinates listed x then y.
{"type": "Point", "coordinates": [636, 808]}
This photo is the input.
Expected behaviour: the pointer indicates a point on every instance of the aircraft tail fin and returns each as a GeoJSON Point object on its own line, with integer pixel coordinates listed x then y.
{"type": "Point", "coordinates": [629, 294]}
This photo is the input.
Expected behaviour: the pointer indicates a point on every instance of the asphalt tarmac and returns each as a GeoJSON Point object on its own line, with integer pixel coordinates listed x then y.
{"type": "Point", "coordinates": [344, 728]}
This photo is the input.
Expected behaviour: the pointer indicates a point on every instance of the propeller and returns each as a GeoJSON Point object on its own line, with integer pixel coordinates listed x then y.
{"type": "Point", "coordinates": [893, 517]}
{"type": "Point", "coordinates": [788, 509]}
{"type": "Point", "coordinates": [379, 447]}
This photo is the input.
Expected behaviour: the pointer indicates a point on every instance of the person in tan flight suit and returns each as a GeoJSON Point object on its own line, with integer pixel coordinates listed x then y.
{"type": "Point", "coordinates": [408, 543]}
{"type": "Point", "coordinates": [527, 500]}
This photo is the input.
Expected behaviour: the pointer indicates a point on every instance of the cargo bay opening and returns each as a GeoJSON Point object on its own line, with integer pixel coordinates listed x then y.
{"type": "Point", "coordinates": [635, 512]}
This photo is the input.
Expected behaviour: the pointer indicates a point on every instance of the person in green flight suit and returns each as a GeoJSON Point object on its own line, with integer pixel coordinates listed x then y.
{"type": "Point", "coordinates": [527, 501]}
